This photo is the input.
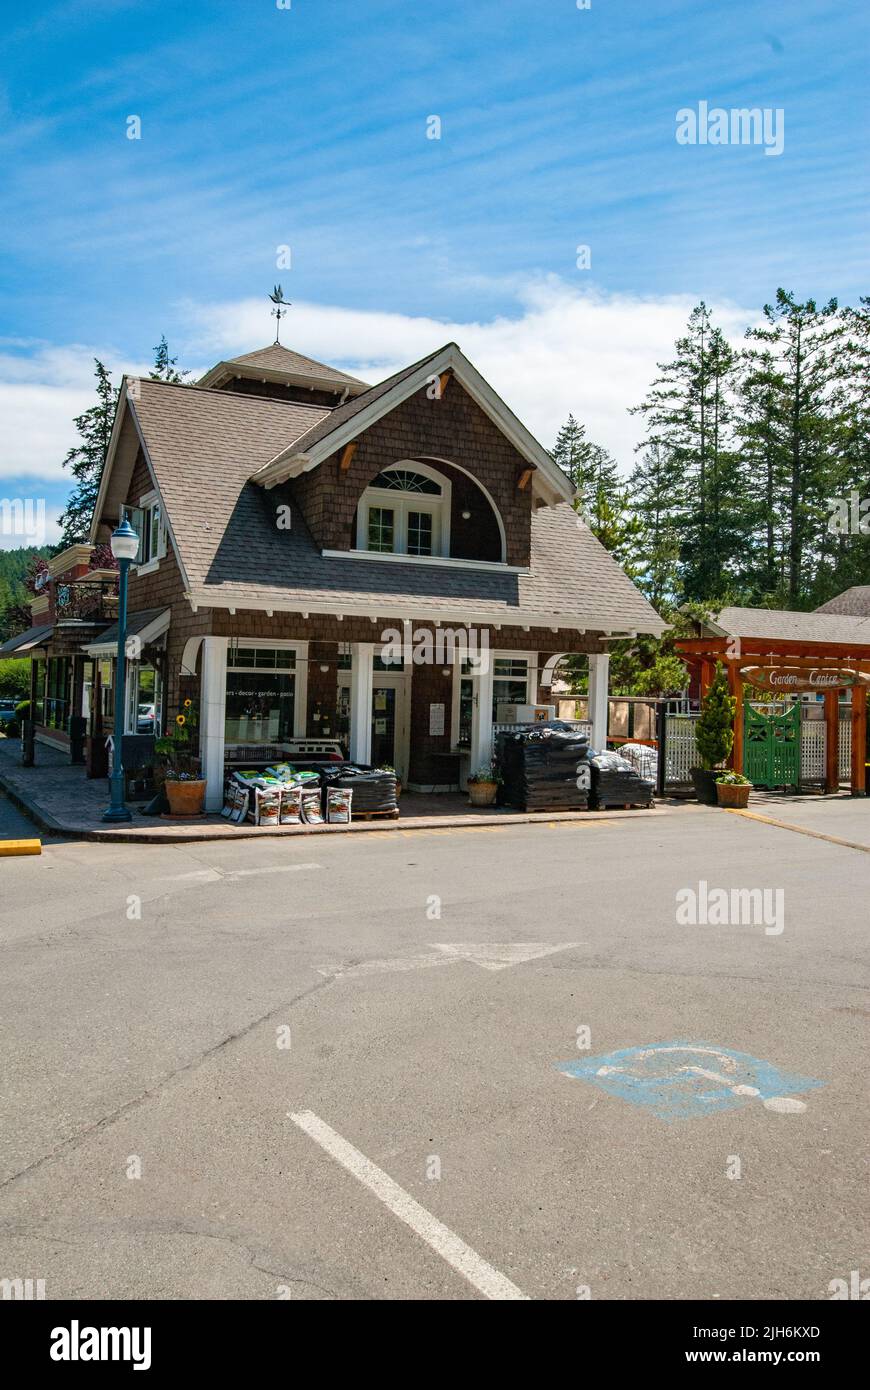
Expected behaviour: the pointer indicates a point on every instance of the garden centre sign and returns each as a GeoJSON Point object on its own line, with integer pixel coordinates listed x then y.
{"type": "Point", "coordinates": [789, 678]}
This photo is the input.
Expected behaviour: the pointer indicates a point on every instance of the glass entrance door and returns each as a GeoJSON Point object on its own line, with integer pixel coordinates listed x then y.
{"type": "Point", "coordinates": [384, 726]}
{"type": "Point", "coordinates": [389, 722]}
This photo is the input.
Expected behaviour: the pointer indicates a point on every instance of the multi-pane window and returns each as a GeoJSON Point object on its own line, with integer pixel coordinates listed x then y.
{"type": "Point", "coordinates": [419, 533]}
{"type": "Point", "coordinates": [403, 512]}
{"type": "Point", "coordinates": [381, 529]}
{"type": "Point", "coordinates": [510, 684]}
{"type": "Point", "coordinates": [147, 522]}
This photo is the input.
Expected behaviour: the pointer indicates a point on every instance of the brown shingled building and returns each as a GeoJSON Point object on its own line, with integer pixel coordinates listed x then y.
{"type": "Point", "coordinates": [291, 519]}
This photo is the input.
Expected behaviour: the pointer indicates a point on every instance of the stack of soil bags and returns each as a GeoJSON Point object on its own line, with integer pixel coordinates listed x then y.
{"type": "Point", "coordinates": [544, 767]}
{"type": "Point", "coordinates": [373, 789]}
{"type": "Point", "coordinates": [616, 783]}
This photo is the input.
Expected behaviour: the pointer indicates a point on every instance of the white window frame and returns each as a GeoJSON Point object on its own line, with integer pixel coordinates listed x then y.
{"type": "Point", "coordinates": [141, 519]}
{"type": "Point", "coordinates": [300, 671]}
{"type": "Point", "coordinates": [401, 503]}
{"type": "Point", "coordinates": [531, 660]}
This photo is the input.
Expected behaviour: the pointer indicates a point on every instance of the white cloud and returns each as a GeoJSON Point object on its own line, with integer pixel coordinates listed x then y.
{"type": "Point", "coordinates": [562, 351]}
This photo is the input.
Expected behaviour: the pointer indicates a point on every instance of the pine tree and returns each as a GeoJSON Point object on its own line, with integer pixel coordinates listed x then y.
{"type": "Point", "coordinates": [165, 367]}
{"type": "Point", "coordinates": [687, 413]}
{"type": "Point", "coordinates": [654, 490]}
{"type": "Point", "coordinates": [799, 338]}
{"type": "Point", "coordinates": [760, 428]}
{"type": "Point", "coordinates": [85, 460]}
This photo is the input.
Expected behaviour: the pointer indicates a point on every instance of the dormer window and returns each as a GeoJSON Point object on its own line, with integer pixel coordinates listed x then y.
{"type": "Point", "coordinates": [147, 521]}
{"type": "Point", "coordinates": [405, 511]}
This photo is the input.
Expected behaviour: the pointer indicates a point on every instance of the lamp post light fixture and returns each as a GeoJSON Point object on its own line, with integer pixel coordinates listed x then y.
{"type": "Point", "coordinates": [125, 548]}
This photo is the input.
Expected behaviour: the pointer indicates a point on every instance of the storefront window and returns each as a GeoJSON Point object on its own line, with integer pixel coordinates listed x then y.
{"type": "Point", "coordinates": [261, 695]}
{"type": "Point", "coordinates": [510, 683]}
{"type": "Point", "coordinates": [38, 715]}
{"type": "Point", "coordinates": [57, 692]}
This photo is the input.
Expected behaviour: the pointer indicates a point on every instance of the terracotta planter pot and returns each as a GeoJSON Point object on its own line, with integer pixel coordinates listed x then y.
{"type": "Point", "coordinates": [733, 794]}
{"type": "Point", "coordinates": [185, 798]}
{"type": "Point", "coordinates": [704, 782]}
{"type": "Point", "coordinates": [482, 793]}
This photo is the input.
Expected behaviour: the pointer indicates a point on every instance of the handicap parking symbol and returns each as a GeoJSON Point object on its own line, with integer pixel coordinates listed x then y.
{"type": "Point", "coordinates": [683, 1079]}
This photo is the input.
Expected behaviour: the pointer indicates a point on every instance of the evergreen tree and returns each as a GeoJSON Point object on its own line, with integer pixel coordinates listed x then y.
{"type": "Point", "coordinates": [654, 490]}
{"type": "Point", "coordinates": [165, 367]}
{"type": "Point", "coordinates": [799, 338]}
{"type": "Point", "coordinates": [85, 460]}
{"type": "Point", "coordinates": [571, 450]}
{"type": "Point", "coordinates": [760, 429]}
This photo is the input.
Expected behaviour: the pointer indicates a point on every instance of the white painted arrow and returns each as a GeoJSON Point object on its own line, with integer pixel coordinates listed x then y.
{"type": "Point", "coordinates": [488, 955]}
{"type": "Point", "coordinates": [500, 955]}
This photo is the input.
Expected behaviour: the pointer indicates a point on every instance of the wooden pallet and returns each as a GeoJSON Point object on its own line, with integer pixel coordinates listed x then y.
{"type": "Point", "coordinates": [375, 815]}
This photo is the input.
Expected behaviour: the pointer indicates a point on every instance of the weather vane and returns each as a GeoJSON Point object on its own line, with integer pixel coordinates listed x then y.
{"type": "Point", "coordinates": [280, 311]}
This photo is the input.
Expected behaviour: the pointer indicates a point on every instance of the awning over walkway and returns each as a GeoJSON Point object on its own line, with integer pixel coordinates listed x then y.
{"type": "Point", "coordinates": [148, 625]}
{"type": "Point", "coordinates": [26, 641]}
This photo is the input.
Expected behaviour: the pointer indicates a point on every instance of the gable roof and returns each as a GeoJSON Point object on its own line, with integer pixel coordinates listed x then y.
{"type": "Point", "coordinates": [349, 420]}
{"type": "Point", "coordinates": [277, 362]}
{"type": "Point", "coordinates": [780, 623]}
{"type": "Point", "coordinates": [854, 601]}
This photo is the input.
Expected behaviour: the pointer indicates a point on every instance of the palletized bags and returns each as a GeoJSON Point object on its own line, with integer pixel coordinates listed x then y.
{"type": "Point", "coordinates": [338, 801]}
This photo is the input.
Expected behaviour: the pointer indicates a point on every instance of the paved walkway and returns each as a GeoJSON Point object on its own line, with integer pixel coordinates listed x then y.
{"type": "Point", "coordinates": [62, 800]}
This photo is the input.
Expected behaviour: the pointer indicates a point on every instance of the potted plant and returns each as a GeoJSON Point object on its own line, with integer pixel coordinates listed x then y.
{"type": "Point", "coordinates": [714, 736]}
{"type": "Point", "coordinates": [483, 785]}
{"type": "Point", "coordinates": [733, 789]}
{"type": "Point", "coordinates": [185, 786]}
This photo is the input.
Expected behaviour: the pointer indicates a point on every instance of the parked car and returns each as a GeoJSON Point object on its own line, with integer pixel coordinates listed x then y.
{"type": "Point", "coordinates": [145, 720]}
{"type": "Point", "coordinates": [7, 711]}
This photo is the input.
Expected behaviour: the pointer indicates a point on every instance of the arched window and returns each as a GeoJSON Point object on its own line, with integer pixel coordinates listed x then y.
{"type": "Point", "coordinates": [405, 510]}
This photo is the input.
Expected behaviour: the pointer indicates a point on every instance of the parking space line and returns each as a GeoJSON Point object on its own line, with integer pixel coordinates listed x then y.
{"type": "Point", "coordinates": [799, 829]}
{"type": "Point", "coordinates": [437, 1236]}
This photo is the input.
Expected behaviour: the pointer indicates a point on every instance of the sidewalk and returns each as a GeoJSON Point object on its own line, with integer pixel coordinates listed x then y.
{"type": "Point", "coordinates": [61, 800]}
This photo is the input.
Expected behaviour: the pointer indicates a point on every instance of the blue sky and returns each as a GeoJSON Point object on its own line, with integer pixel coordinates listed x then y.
{"type": "Point", "coordinates": [306, 127]}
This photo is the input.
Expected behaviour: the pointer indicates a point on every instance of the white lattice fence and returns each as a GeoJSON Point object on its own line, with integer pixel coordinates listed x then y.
{"type": "Point", "coordinates": [681, 751]}
{"type": "Point", "coordinates": [814, 742]}
{"type": "Point", "coordinates": [845, 768]}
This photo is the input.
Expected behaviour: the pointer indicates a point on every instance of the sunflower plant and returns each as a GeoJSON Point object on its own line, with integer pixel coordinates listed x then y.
{"type": "Point", "coordinates": [180, 763]}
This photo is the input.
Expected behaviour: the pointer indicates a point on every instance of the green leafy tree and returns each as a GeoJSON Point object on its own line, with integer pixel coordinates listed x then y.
{"type": "Point", "coordinates": [85, 460]}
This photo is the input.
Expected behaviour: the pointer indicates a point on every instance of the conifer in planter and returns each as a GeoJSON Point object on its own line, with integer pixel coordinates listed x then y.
{"type": "Point", "coordinates": [184, 783]}
{"type": "Point", "coordinates": [714, 736]}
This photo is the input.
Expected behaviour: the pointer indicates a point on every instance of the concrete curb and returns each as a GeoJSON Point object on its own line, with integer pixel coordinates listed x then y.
{"type": "Point", "coordinates": [193, 834]}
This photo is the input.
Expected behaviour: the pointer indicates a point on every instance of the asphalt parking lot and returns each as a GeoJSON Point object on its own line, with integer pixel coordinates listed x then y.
{"type": "Point", "coordinates": [484, 1063]}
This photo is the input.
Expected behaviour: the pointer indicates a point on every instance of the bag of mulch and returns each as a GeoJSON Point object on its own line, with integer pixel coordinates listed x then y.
{"type": "Point", "coordinates": [268, 805]}
{"type": "Point", "coordinates": [312, 813]}
{"type": "Point", "coordinates": [338, 801]}
{"type": "Point", "coordinates": [241, 797]}
{"type": "Point", "coordinates": [229, 799]}
{"type": "Point", "coordinates": [291, 805]}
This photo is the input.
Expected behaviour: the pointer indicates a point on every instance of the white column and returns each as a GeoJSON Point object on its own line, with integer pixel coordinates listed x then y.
{"type": "Point", "coordinates": [599, 672]}
{"type": "Point", "coordinates": [481, 715]}
{"type": "Point", "coordinates": [212, 714]}
{"type": "Point", "coordinates": [361, 672]}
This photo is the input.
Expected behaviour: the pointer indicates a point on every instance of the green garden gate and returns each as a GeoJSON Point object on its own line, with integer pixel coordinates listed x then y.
{"type": "Point", "coordinates": [772, 747]}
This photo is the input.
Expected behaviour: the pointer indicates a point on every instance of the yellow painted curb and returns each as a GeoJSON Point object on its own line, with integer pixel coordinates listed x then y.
{"type": "Point", "coordinates": [798, 829]}
{"type": "Point", "coordinates": [10, 847]}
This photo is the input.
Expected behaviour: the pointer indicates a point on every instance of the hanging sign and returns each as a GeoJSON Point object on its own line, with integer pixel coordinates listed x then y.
{"type": "Point", "coordinates": [785, 679]}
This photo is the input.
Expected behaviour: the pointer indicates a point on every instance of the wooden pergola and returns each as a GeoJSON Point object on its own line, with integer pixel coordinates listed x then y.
{"type": "Point", "coordinates": [793, 665]}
